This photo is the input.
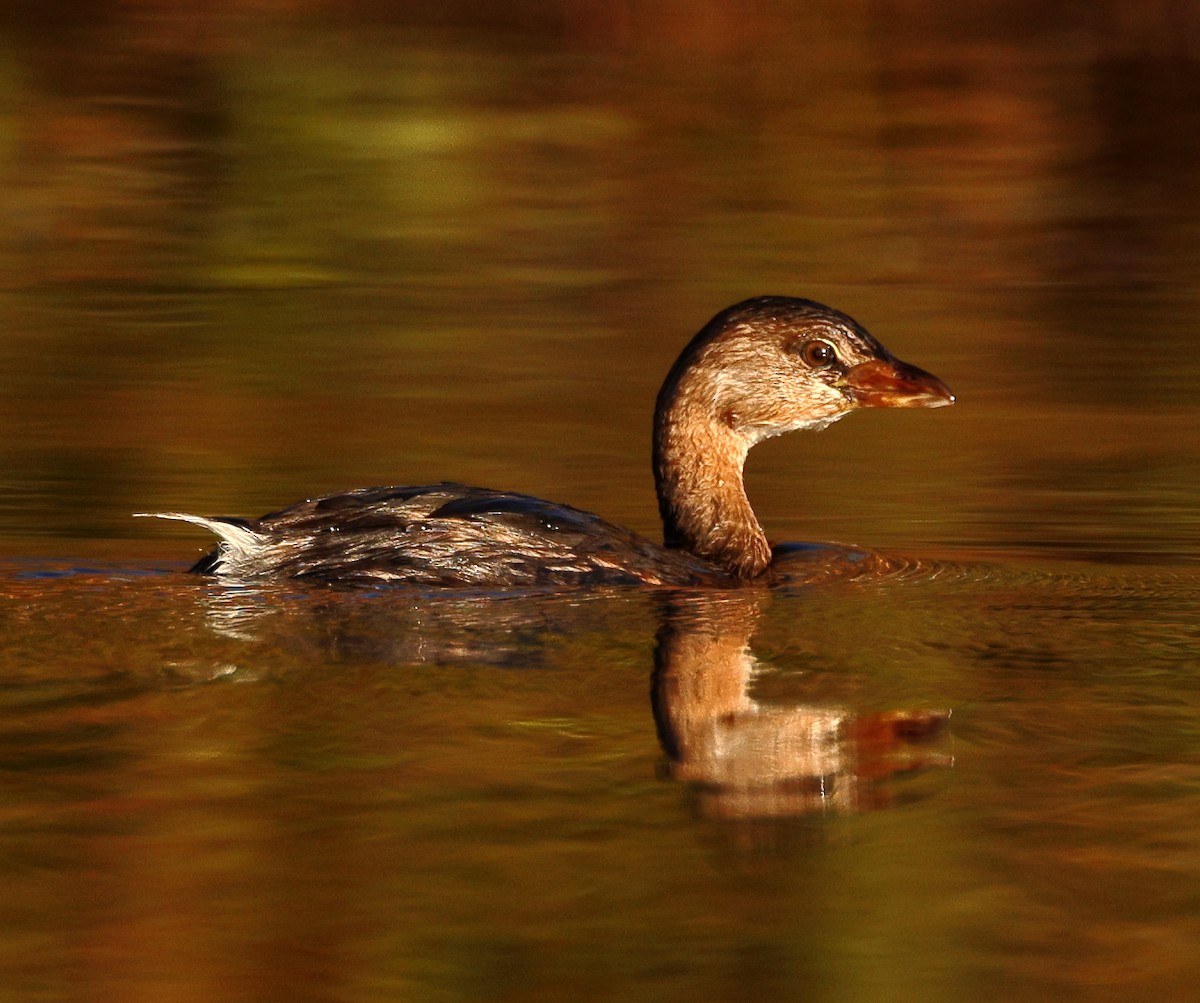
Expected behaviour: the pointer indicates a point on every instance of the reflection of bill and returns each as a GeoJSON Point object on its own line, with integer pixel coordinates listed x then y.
{"type": "Point", "coordinates": [756, 760]}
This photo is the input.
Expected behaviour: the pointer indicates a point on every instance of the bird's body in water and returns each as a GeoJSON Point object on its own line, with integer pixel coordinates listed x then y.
{"type": "Point", "coordinates": [443, 534]}
{"type": "Point", "coordinates": [760, 368]}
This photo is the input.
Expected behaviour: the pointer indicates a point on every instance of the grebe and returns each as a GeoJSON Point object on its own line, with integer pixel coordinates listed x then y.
{"type": "Point", "coordinates": [762, 367]}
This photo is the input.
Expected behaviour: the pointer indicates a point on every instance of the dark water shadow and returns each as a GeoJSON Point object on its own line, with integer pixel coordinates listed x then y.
{"type": "Point", "coordinates": [741, 757]}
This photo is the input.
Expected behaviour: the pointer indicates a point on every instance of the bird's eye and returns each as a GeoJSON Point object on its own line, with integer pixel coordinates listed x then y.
{"type": "Point", "coordinates": [818, 354]}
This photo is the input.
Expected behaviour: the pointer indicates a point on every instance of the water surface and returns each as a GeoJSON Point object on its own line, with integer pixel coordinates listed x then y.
{"type": "Point", "coordinates": [249, 256]}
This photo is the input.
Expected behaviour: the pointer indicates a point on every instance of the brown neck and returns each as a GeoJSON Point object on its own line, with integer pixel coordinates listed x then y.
{"type": "Point", "coordinates": [698, 474]}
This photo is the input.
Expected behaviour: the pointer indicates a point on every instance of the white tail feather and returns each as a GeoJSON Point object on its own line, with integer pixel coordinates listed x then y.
{"type": "Point", "coordinates": [239, 541]}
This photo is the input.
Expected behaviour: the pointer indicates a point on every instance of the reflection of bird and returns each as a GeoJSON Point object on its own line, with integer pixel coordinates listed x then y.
{"type": "Point", "coordinates": [754, 760]}
{"type": "Point", "coordinates": [763, 367]}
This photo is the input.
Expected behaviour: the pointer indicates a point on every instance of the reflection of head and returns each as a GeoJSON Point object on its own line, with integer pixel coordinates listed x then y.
{"type": "Point", "coordinates": [753, 760]}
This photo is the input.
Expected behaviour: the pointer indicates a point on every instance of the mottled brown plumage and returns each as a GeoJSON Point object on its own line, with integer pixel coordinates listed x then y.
{"type": "Point", "coordinates": [761, 368]}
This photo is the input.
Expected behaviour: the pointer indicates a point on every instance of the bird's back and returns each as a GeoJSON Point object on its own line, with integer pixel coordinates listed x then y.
{"type": "Point", "coordinates": [443, 534]}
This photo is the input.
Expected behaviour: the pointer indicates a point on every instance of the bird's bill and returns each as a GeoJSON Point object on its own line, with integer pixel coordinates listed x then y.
{"type": "Point", "coordinates": [892, 383]}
